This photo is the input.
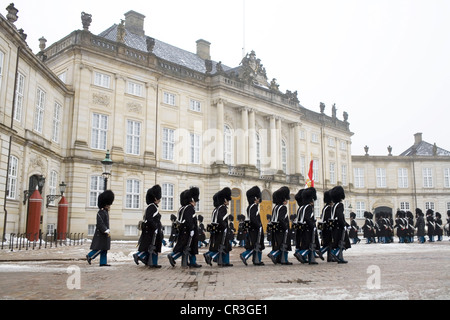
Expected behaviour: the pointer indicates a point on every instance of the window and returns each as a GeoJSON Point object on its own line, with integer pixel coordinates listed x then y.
{"type": "Point", "coordinates": [403, 178]}
{"type": "Point", "coordinates": [12, 178]}
{"type": "Point", "coordinates": [303, 165]}
{"type": "Point", "coordinates": [195, 149]}
{"type": "Point", "coordinates": [19, 97]}
{"type": "Point", "coordinates": [56, 122]}
{"type": "Point", "coordinates": [331, 142]}
{"type": "Point", "coordinates": [39, 112]}
{"type": "Point", "coordinates": [95, 188]}
{"type": "Point", "coordinates": [91, 229]}
{"type": "Point", "coordinates": [404, 206]}
{"type": "Point", "coordinates": [447, 178]}
{"type": "Point", "coordinates": [429, 205]}
{"type": "Point", "coordinates": [315, 138]}
{"type": "Point", "coordinates": [195, 105]}
{"type": "Point", "coordinates": [228, 146]}
{"type": "Point", "coordinates": [51, 228]}
{"type": "Point", "coordinates": [315, 170]}
{"type": "Point", "coordinates": [169, 98]}
{"type": "Point", "coordinates": [283, 156]}
{"type": "Point", "coordinates": [133, 194]}
{"type": "Point", "coordinates": [381, 177]}
{"type": "Point", "coordinates": [53, 183]}
{"type": "Point", "coordinates": [302, 135]}
{"type": "Point", "coordinates": [343, 145]}
{"type": "Point", "coordinates": [359, 177]}
{"type": "Point", "coordinates": [168, 144]}
{"type": "Point", "coordinates": [167, 192]}
{"type": "Point", "coordinates": [135, 88]}
{"type": "Point", "coordinates": [99, 131]}
{"type": "Point", "coordinates": [360, 208]}
{"type": "Point", "coordinates": [332, 173]}
{"type": "Point", "coordinates": [133, 137]}
{"type": "Point", "coordinates": [102, 80]}
{"type": "Point", "coordinates": [344, 180]}
{"type": "Point", "coordinates": [131, 230]}
{"type": "Point", "coordinates": [427, 178]}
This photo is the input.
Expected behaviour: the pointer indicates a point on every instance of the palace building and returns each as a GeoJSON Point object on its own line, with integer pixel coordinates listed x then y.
{"type": "Point", "coordinates": [167, 116]}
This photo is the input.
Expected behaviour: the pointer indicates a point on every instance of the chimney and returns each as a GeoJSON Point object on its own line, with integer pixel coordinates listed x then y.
{"type": "Point", "coordinates": [134, 22]}
{"type": "Point", "coordinates": [203, 49]}
{"type": "Point", "coordinates": [417, 138]}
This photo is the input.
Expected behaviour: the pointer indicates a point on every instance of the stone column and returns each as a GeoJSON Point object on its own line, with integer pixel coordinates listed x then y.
{"type": "Point", "coordinates": [273, 144]}
{"type": "Point", "coordinates": [278, 146]}
{"type": "Point", "coordinates": [242, 156]}
{"type": "Point", "coordinates": [297, 162]}
{"type": "Point", "coordinates": [219, 130]}
{"type": "Point", "coordinates": [251, 138]}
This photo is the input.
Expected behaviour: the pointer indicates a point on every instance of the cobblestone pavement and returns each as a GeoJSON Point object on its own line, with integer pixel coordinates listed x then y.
{"type": "Point", "coordinates": [374, 271]}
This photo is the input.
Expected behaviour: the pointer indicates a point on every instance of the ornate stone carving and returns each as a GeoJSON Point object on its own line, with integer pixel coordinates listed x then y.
{"type": "Point", "coordinates": [252, 70]}
{"type": "Point", "coordinates": [101, 99]}
{"type": "Point", "coordinates": [12, 13]}
{"type": "Point", "coordinates": [150, 44]}
{"type": "Point", "coordinates": [134, 107]}
{"type": "Point", "coordinates": [86, 20]}
{"type": "Point", "coordinates": [121, 32]}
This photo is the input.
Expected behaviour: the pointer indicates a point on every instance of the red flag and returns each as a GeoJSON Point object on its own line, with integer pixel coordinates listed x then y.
{"type": "Point", "coordinates": [309, 180]}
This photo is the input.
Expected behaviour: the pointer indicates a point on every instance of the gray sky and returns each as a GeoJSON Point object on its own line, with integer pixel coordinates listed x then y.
{"type": "Point", "coordinates": [386, 63]}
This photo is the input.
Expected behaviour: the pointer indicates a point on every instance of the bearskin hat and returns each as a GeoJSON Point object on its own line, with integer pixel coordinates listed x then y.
{"type": "Point", "coordinates": [366, 214]}
{"type": "Point", "coordinates": [153, 194]}
{"type": "Point", "coordinates": [241, 217]}
{"type": "Point", "coordinates": [173, 217]}
{"type": "Point", "coordinates": [269, 217]}
{"type": "Point", "coordinates": [200, 218]}
{"type": "Point", "coordinates": [253, 194]}
{"type": "Point", "coordinates": [298, 197]}
{"type": "Point", "coordinates": [430, 212]}
{"type": "Point", "coordinates": [352, 215]}
{"type": "Point", "coordinates": [409, 214]}
{"type": "Point", "coordinates": [438, 215]}
{"type": "Point", "coordinates": [224, 194]}
{"type": "Point", "coordinates": [187, 196]}
{"type": "Point", "coordinates": [231, 217]}
{"type": "Point", "coordinates": [216, 200]}
{"type": "Point", "coordinates": [337, 194]}
{"type": "Point", "coordinates": [281, 195]}
{"type": "Point", "coordinates": [105, 198]}
{"type": "Point", "coordinates": [309, 195]}
{"type": "Point", "coordinates": [327, 197]}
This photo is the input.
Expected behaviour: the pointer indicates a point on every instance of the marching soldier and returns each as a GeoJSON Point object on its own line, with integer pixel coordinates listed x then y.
{"type": "Point", "coordinates": [254, 244]}
{"type": "Point", "coordinates": [353, 232]}
{"type": "Point", "coordinates": [220, 245]}
{"type": "Point", "coordinates": [369, 228]}
{"type": "Point", "coordinates": [187, 244]}
{"type": "Point", "coordinates": [430, 225]}
{"type": "Point", "coordinates": [150, 241]}
{"type": "Point", "coordinates": [212, 228]}
{"type": "Point", "coordinates": [341, 241]}
{"type": "Point", "coordinates": [325, 225]}
{"type": "Point", "coordinates": [401, 225]}
{"type": "Point", "coordinates": [420, 226]}
{"type": "Point", "coordinates": [201, 232]}
{"type": "Point", "coordinates": [439, 230]}
{"type": "Point", "coordinates": [410, 232]}
{"type": "Point", "coordinates": [280, 221]}
{"type": "Point", "coordinates": [101, 242]}
{"type": "Point", "coordinates": [241, 234]}
{"type": "Point", "coordinates": [309, 238]}
{"type": "Point", "coordinates": [174, 233]}
{"type": "Point", "coordinates": [298, 226]}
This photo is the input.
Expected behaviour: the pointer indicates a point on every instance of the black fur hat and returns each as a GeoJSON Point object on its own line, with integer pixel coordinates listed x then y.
{"type": "Point", "coordinates": [173, 217]}
{"type": "Point", "coordinates": [224, 194]}
{"type": "Point", "coordinates": [309, 195]}
{"type": "Point", "coordinates": [298, 197]}
{"type": "Point", "coordinates": [105, 198]}
{"type": "Point", "coordinates": [337, 194]}
{"type": "Point", "coordinates": [353, 215]}
{"type": "Point", "coordinates": [327, 197]}
{"type": "Point", "coordinates": [281, 195]}
{"type": "Point", "coordinates": [200, 218]}
{"type": "Point", "coordinates": [216, 200]}
{"type": "Point", "coordinates": [187, 196]}
{"type": "Point", "coordinates": [253, 194]}
{"type": "Point", "coordinates": [241, 217]}
{"type": "Point", "coordinates": [153, 194]}
{"type": "Point", "coordinates": [419, 212]}
{"type": "Point", "coordinates": [366, 214]}
{"type": "Point", "coordinates": [430, 212]}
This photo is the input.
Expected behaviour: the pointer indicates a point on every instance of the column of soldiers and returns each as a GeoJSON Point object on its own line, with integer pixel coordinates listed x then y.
{"type": "Point", "coordinates": [283, 231]}
{"type": "Point", "coordinates": [381, 229]}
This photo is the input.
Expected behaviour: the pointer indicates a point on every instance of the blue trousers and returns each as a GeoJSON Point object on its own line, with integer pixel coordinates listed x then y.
{"type": "Point", "coordinates": [143, 256]}
{"type": "Point", "coordinates": [215, 256]}
{"type": "Point", "coordinates": [192, 257]}
{"type": "Point", "coordinates": [103, 255]}
{"type": "Point", "coordinates": [248, 253]}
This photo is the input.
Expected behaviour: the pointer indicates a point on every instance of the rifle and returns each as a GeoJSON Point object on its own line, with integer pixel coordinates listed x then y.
{"type": "Point", "coordinates": [152, 249]}
{"type": "Point", "coordinates": [313, 248]}
{"type": "Point", "coordinates": [186, 253]}
{"type": "Point", "coordinates": [341, 245]}
{"type": "Point", "coordinates": [222, 248]}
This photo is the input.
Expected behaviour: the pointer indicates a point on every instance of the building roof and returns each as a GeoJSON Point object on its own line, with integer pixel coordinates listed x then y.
{"type": "Point", "coordinates": [161, 50]}
{"type": "Point", "coordinates": [424, 148]}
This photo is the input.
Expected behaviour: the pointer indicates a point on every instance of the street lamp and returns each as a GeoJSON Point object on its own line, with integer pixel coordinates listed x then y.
{"type": "Point", "coordinates": [53, 197]}
{"type": "Point", "coordinates": [107, 165]}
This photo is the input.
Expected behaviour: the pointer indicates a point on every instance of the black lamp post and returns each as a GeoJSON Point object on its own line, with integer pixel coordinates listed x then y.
{"type": "Point", "coordinates": [107, 165]}
{"type": "Point", "coordinates": [53, 197]}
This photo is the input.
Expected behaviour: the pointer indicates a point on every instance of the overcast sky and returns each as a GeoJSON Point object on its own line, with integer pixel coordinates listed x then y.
{"type": "Point", "coordinates": [386, 63]}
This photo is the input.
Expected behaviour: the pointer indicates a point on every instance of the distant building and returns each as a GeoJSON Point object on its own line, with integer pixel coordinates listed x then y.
{"type": "Point", "coordinates": [418, 178]}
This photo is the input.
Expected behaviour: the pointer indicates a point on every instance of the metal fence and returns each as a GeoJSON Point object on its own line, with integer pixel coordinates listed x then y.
{"type": "Point", "coordinates": [22, 241]}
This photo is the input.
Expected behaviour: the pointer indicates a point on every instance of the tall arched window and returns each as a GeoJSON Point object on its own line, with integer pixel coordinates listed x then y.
{"type": "Point", "coordinates": [227, 145]}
